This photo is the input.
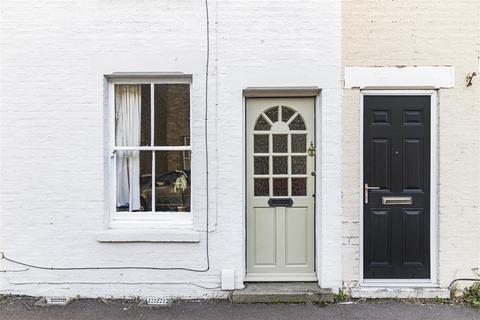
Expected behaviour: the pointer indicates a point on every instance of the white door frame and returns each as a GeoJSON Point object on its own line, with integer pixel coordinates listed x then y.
{"type": "Point", "coordinates": [432, 282]}
{"type": "Point", "coordinates": [286, 92]}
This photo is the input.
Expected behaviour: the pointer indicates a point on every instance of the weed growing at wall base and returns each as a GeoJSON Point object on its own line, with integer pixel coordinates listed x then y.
{"type": "Point", "coordinates": [471, 295]}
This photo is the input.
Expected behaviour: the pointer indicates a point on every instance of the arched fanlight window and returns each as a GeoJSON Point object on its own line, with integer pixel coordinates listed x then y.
{"type": "Point", "coordinates": [279, 113]}
{"type": "Point", "coordinates": [262, 124]}
{"type": "Point", "coordinates": [298, 123]}
{"type": "Point", "coordinates": [287, 113]}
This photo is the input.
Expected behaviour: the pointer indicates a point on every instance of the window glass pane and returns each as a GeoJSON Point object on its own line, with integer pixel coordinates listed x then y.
{"type": "Point", "coordinates": [299, 165]}
{"type": "Point", "coordinates": [172, 181]}
{"type": "Point", "coordinates": [297, 123]}
{"type": "Point", "coordinates": [299, 186]}
{"type": "Point", "coordinates": [260, 165]}
{"type": "Point", "coordinates": [272, 114]}
{"type": "Point", "coordinates": [262, 124]}
{"type": "Point", "coordinates": [260, 143]}
{"type": "Point", "coordinates": [261, 187]}
{"type": "Point", "coordinates": [280, 186]}
{"type": "Point", "coordinates": [172, 114]}
{"type": "Point", "coordinates": [299, 143]}
{"type": "Point", "coordinates": [132, 115]}
{"type": "Point", "coordinates": [133, 176]}
{"type": "Point", "coordinates": [280, 143]}
{"type": "Point", "coordinates": [280, 165]}
{"type": "Point", "coordinates": [287, 113]}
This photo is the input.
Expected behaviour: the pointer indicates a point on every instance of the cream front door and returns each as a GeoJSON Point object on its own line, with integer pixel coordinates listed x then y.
{"type": "Point", "coordinates": [280, 189]}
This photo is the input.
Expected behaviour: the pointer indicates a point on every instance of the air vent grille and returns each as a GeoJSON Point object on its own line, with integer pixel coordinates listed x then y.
{"type": "Point", "coordinates": [61, 301]}
{"type": "Point", "coordinates": [153, 301]}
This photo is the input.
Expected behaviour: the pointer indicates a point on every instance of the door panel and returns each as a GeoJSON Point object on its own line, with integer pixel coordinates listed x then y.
{"type": "Point", "coordinates": [413, 169]}
{"type": "Point", "coordinates": [296, 227]}
{"type": "Point", "coordinates": [265, 237]}
{"type": "Point", "coordinates": [380, 163]}
{"type": "Point", "coordinates": [412, 235]}
{"type": "Point", "coordinates": [280, 189]}
{"type": "Point", "coordinates": [396, 168]}
{"type": "Point", "coordinates": [380, 236]}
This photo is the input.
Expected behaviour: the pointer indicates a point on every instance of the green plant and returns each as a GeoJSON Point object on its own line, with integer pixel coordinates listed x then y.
{"type": "Point", "coordinates": [454, 292]}
{"type": "Point", "coordinates": [136, 300]}
{"type": "Point", "coordinates": [471, 295]}
{"type": "Point", "coordinates": [342, 295]}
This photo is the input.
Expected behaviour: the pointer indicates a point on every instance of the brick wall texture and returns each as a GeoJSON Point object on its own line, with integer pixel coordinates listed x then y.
{"type": "Point", "coordinates": [54, 127]}
{"type": "Point", "coordinates": [411, 33]}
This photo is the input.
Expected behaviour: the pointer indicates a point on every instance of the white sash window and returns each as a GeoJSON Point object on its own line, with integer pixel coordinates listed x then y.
{"type": "Point", "coordinates": [150, 144]}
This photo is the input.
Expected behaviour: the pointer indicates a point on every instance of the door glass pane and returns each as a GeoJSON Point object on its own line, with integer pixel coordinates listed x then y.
{"type": "Point", "coordinates": [132, 115]}
{"type": "Point", "coordinates": [299, 165]}
{"type": "Point", "coordinates": [261, 187]}
{"type": "Point", "coordinates": [172, 182]}
{"type": "Point", "coordinates": [299, 186]}
{"type": "Point", "coordinates": [297, 123]}
{"type": "Point", "coordinates": [280, 144]}
{"type": "Point", "coordinates": [133, 176]}
{"type": "Point", "coordinates": [280, 186]}
{"type": "Point", "coordinates": [287, 113]}
{"type": "Point", "coordinates": [172, 114]}
{"type": "Point", "coordinates": [260, 143]}
{"type": "Point", "coordinates": [299, 143]}
{"type": "Point", "coordinates": [280, 165]}
{"type": "Point", "coordinates": [262, 124]}
{"type": "Point", "coordinates": [260, 165]}
{"type": "Point", "coordinates": [272, 114]}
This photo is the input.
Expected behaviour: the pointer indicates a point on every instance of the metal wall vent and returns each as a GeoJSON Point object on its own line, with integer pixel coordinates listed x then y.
{"type": "Point", "coordinates": [59, 301]}
{"type": "Point", "coordinates": [153, 301]}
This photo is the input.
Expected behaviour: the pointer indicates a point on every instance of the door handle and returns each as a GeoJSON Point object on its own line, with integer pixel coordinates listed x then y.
{"type": "Point", "coordinates": [366, 189]}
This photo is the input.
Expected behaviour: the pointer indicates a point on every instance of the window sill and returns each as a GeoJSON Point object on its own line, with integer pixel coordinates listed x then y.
{"type": "Point", "coordinates": [149, 235]}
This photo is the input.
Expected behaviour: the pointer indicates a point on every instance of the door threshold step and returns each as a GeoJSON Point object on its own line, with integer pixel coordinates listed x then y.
{"type": "Point", "coordinates": [282, 292]}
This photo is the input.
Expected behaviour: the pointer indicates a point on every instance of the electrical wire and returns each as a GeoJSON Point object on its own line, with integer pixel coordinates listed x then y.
{"type": "Point", "coordinates": [461, 279]}
{"type": "Point", "coordinates": [207, 64]}
{"type": "Point", "coordinates": [3, 257]}
{"type": "Point", "coordinates": [207, 268]}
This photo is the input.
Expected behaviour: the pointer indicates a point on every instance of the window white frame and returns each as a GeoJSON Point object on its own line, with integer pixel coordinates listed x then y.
{"type": "Point", "coordinates": [432, 281]}
{"type": "Point", "coordinates": [146, 219]}
{"type": "Point", "coordinates": [186, 156]}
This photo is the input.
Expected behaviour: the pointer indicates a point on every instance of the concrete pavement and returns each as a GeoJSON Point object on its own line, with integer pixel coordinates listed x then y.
{"type": "Point", "coordinates": [20, 308]}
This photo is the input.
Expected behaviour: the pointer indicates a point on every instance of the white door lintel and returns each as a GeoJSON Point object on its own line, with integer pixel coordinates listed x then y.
{"type": "Point", "coordinates": [401, 77]}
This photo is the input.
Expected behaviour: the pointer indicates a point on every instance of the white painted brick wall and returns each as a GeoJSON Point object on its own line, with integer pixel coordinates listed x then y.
{"type": "Point", "coordinates": [421, 32]}
{"type": "Point", "coordinates": [54, 56]}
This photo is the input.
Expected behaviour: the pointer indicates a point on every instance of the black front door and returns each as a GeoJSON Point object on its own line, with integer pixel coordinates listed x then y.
{"type": "Point", "coordinates": [396, 214]}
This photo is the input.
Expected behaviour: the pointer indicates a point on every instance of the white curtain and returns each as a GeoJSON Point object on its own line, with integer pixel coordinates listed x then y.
{"type": "Point", "coordinates": [128, 103]}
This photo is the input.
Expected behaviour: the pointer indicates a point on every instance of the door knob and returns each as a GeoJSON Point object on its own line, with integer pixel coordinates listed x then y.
{"type": "Point", "coordinates": [366, 188]}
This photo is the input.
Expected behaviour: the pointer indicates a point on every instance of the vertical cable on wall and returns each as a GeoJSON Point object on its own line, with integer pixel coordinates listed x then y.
{"type": "Point", "coordinates": [207, 63]}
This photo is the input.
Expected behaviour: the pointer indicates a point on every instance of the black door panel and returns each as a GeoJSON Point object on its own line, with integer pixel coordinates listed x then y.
{"type": "Point", "coordinates": [397, 163]}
